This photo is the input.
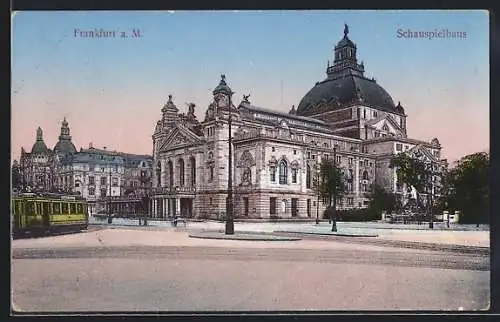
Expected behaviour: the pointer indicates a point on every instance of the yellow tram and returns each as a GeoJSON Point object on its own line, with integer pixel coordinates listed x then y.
{"type": "Point", "coordinates": [38, 214]}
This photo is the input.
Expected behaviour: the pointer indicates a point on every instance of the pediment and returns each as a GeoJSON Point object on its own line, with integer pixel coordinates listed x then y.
{"type": "Point", "coordinates": [179, 137]}
{"type": "Point", "coordinates": [421, 153]}
{"type": "Point", "coordinates": [385, 124]}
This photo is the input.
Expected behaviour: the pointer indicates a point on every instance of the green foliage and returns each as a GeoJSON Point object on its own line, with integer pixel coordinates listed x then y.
{"type": "Point", "coordinates": [16, 176]}
{"type": "Point", "coordinates": [329, 183]}
{"type": "Point", "coordinates": [466, 188]}
{"type": "Point", "coordinates": [382, 200]}
{"type": "Point", "coordinates": [353, 215]}
{"type": "Point", "coordinates": [412, 171]}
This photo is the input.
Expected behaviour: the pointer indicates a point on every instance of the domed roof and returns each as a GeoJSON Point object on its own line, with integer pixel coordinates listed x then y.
{"type": "Point", "coordinates": [335, 93]}
{"type": "Point", "coordinates": [39, 146]}
{"type": "Point", "coordinates": [65, 146]}
{"type": "Point", "coordinates": [222, 87]}
{"type": "Point", "coordinates": [345, 85]}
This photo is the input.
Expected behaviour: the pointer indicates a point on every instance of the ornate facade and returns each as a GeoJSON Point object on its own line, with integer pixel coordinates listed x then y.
{"type": "Point", "coordinates": [276, 155]}
{"type": "Point", "coordinates": [109, 180]}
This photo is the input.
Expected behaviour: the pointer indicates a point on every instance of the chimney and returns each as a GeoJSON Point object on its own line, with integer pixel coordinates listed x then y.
{"type": "Point", "coordinates": [90, 145]}
{"type": "Point", "coordinates": [104, 148]}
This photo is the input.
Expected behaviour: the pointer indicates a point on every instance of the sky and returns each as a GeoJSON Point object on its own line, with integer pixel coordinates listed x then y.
{"type": "Point", "coordinates": [112, 89]}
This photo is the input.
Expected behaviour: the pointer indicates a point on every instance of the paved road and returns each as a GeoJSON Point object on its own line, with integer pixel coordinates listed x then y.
{"type": "Point", "coordinates": [201, 278]}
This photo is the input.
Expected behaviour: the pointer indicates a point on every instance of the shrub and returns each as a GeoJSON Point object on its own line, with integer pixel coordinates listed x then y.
{"type": "Point", "coordinates": [357, 214]}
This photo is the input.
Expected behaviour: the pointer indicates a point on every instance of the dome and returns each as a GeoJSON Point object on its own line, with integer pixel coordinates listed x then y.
{"type": "Point", "coordinates": [337, 92]}
{"type": "Point", "coordinates": [345, 85]}
{"type": "Point", "coordinates": [39, 147]}
{"type": "Point", "coordinates": [65, 146]}
{"type": "Point", "coordinates": [222, 87]}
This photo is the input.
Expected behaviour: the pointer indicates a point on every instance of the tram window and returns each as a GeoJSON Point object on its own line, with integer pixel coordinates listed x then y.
{"type": "Point", "coordinates": [64, 208]}
{"type": "Point", "coordinates": [15, 206]}
{"type": "Point", "coordinates": [57, 207]}
{"type": "Point", "coordinates": [79, 208]}
{"type": "Point", "coordinates": [72, 207]}
{"type": "Point", "coordinates": [39, 208]}
{"type": "Point", "coordinates": [30, 208]}
{"type": "Point", "coordinates": [46, 208]}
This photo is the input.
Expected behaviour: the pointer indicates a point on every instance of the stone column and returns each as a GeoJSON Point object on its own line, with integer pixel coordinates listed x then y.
{"type": "Point", "coordinates": [178, 206]}
{"type": "Point", "coordinates": [165, 208]}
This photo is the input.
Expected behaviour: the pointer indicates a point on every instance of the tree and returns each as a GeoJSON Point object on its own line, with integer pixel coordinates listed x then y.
{"type": "Point", "coordinates": [329, 186]}
{"type": "Point", "coordinates": [382, 200]}
{"type": "Point", "coordinates": [467, 188]}
{"type": "Point", "coordinates": [16, 175]}
{"type": "Point", "coordinates": [415, 173]}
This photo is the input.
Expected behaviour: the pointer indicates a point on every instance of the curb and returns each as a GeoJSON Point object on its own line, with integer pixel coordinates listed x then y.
{"type": "Point", "coordinates": [242, 236]}
{"type": "Point", "coordinates": [463, 249]}
{"type": "Point", "coordinates": [327, 234]}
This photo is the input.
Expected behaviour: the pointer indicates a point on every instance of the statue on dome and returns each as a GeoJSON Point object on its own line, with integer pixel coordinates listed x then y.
{"type": "Point", "coordinates": [346, 30]}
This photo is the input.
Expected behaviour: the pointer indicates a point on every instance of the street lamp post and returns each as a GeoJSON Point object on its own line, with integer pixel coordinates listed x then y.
{"type": "Point", "coordinates": [334, 213]}
{"type": "Point", "coordinates": [110, 217]}
{"type": "Point", "coordinates": [317, 192]}
{"type": "Point", "coordinates": [229, 220]}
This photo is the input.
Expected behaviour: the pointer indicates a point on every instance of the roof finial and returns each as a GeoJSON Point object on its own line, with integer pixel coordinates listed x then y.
{"type": "Point", "coordinates": [170, 97]}
{"type": "Point", "coordinates": [223, 78]}
{"type": "Point", "coordinates": [346, 30]}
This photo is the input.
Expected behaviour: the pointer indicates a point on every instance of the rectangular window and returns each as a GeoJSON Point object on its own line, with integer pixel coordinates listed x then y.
{"type": "Point", "coordinates": [57, 207]}
{"type": "Point", "coordinates": [294, 152]}
{"type": "Point", "coordinates": [272, 149]}
{"type": "Point", "coordinates": [339, 159]}
{"type": "Point", "coordinates": [272, 174]}
{"type": "Point", "coordinates": [91, 191]}
{"type": "Point", "coordinates": [308, 155]}
{"type": "Point", "coordinates": [79, 208]}
{"type": "Point", "coordinates": [103, 181]}
{"type": "Point", "coordinates": [64, 207]}
{"type": "Point", "coordinates": [294, 175]}
{"type": "Point", "coordinates": [211, 173]}
{"type": "Point", "coordinates": [350, 161]}
{"type": "Point", "coordinates": [399, 147]}
{"type": "Point", "coordinates": [91, 181]}
{"type": "Point", "coordinates": [114, 182]}
{"type": "Point", "coordinates": [30, 208]}
{"type": "Point", "coordinates": [38, 208]}
{"type": "Point", "coordinates": [272, 205]}
{"type": "Point", "coordinates": [72, 208]}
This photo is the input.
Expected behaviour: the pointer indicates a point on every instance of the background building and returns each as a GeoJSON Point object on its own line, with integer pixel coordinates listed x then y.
{"type": "Point", "coordinates": [109, 180]}
{"type": "Point", "coordinates": [276, 155]}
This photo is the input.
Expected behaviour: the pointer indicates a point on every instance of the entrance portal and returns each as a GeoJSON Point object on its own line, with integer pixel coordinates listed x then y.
{"type": "Point", "coordinates": [186, 207]}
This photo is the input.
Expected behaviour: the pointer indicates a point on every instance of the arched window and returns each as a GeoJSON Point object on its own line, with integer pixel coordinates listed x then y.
{"type": "Point", "coordinates": [365, 175]}
{"type": "Point", "coordinates": [181, 172]}
{"type": "Point", "coordinates": [385, 127]}
{"type": "Point", "coordinates": [192, 162]}
{"type": "Point", "coordinates": [283, 172]}
{"type": "Point", "coordinates": [308, 176]}
{"type": "Point", "coordinates": [158, 174]}
{"type": "Point", "coordinates": [171, 173]}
